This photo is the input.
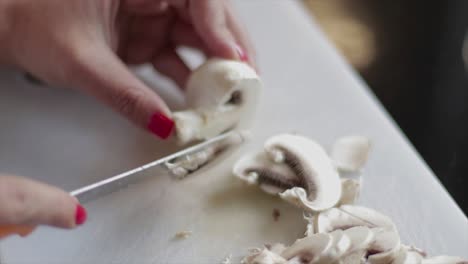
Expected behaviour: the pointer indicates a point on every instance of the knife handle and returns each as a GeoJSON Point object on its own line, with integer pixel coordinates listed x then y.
{"type": "Point", "coordinates": [22, 230]}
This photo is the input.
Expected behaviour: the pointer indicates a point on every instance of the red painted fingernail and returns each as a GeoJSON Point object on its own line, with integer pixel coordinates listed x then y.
{"type": "Point", "coordinates": [161, 125]}
{"type": "Point", "coordinates": [80, 215]}
{"type": "Point", "coordinates": [242, 54]}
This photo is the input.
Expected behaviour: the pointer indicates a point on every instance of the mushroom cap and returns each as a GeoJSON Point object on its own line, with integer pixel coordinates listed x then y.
{"type": "Point", "coordinates": [312, 166]}
{"type": "Point", "coordinates": [221, 94]}
{"type": "Point", "coordinates": [350, 153]}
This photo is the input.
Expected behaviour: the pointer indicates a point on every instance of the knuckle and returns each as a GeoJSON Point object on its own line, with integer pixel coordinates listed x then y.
{"type": "Point", "coordinates": [127, 102]}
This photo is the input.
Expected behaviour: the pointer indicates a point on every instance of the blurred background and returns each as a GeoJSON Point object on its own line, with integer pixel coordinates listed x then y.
{"type": "Point", "coordinates": [414, 56]}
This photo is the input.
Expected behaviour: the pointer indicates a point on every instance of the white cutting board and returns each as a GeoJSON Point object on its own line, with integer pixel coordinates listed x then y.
{"type": "Point", "coordinates": [66, 139]}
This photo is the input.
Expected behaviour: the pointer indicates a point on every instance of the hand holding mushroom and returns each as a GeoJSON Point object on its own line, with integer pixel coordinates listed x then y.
{"type": "Point", "coordinates": [89, 45]}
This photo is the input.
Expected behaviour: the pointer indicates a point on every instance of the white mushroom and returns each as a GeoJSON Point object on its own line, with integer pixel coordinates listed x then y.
{"type": "Point", "coordinates": [320, 183]}
{"type": "Point", "coordinates": [360, 237]}
{"type": "Point", "coordinates": [444, 260]}
{"type": "Point", "coordinates": [221, 95]}
{"type": "Point", "coordinates": [341, 243]}
{"type": "Point", "coordinates": [308, 249]}
{"type": "Point", "coordinates": [408, 255]}
{"type": "Point", "coordinates": [385, 247]}
{"type": "Point", "coordinates": [347, 216]}
{"type": "Point", "coordinates": [351, 189]}
{"type": "Point", "coordinates": [350, 153]}
{"type": "Point", "coordinates": [265, 256]}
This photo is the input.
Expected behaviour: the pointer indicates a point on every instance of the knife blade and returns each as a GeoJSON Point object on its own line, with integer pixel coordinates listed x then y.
{"type": "Point", "coordinates": [179, 165]}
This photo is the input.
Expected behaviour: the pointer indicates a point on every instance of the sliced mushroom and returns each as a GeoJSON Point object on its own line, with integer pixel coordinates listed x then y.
{"type": "Point", "coordinates": [308, 249]}
{"type": "Point", "coordinates": [370, 217]}
{"type": "Point", "coordinates": [385, 247]}
{"type": "Point", "coordinates": [263, 256]}
{"type": "Point", "coordinates": [258, 169]}
{"type": "Point", "coordinates": [221, 95]}
{"type": "Point", "coordinates": [350, 153]}
{"type": "Point", "coordinates": [320, 187]}
{"type": "Point", "coordinates": [444, 260]}
{"type": "Point", "coordinates": [347, 216]}
{"type": "Point", "coordinates": [351, 189]}
{"type": "Point", "coordinates": [360, 237]}
{"type": "Point", "coordinates": [341, 243]}
{"type": "Point", "coordinates": [408, 256]}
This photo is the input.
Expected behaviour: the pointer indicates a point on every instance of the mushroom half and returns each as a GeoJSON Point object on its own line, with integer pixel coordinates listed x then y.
{"type": "Point", "coordinates": [297, 169]}
{"type": "Point", "coordinates": [221, 95]}
{"type": "Point", "coordinates": [320, 187]}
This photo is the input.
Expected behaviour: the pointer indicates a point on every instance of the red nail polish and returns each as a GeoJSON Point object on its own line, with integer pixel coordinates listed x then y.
{"type": "Point", "coordinates": [242, 54]}
{"type": "Point", "coordinates": [80, 215]}
{"type": "Point", "coordinates": [161, 125]}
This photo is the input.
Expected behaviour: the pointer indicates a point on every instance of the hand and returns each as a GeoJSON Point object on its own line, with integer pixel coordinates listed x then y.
{"type": "Point", "coordinates": [87, 44]}
{"type": "Point", "coordinates": [27, 203]}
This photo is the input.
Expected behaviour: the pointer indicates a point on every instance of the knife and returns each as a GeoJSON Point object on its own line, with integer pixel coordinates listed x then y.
{"type": "Point", "coordinates": [179, 165]}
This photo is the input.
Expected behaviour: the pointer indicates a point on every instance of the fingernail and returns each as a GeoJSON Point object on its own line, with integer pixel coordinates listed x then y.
{"type": "Point", "coordinates": [242, 54]}
{"type": "Point", "coordinates": [161, 125]}
{"type": "Point", "coordinates": [80, 215]}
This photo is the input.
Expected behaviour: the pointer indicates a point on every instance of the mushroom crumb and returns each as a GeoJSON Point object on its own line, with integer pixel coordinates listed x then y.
{"type": "Point", "coordinates": [183, 234]}
{"type": "Point", "coordinates": [227, 260]}
{"type": "Point", "coordinates": [276, 214]}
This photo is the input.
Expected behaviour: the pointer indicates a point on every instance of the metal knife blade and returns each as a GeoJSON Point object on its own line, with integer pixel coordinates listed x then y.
{"type": "Point", "coordinates": [163, 165]}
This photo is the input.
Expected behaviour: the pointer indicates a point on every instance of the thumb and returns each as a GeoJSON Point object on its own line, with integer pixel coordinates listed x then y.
{"type": "Point", "coordinates": [26, 202]}
{"type": "Point", "coordinates": [99, 72]}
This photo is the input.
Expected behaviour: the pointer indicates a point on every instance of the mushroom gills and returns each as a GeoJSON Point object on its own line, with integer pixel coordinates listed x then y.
{"type": "Point", "coordinates": [258, 169]}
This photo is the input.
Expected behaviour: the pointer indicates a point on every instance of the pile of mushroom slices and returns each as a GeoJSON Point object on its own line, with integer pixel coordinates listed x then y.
{"type": "Point", "coordinates": [299, 170]}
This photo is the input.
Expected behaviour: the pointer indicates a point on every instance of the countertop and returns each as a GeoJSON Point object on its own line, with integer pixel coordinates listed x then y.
{"type": "Point", "coordinates": [63, 138]}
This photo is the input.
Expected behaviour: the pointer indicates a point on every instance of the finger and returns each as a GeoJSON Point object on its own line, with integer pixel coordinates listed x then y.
{"type": "Point", "coordinates": [240, 34]}
{"type": "Point", "coordinates": [145, 7]}
{"type": "Point", "coordinates": [209, 21]}
{"type": "Point", "coordinates": [99, 72]}
{"type": "Point", "coordinates": [26, 202]}
{"type": "Point", "coordinates": [170, 64]}
{"type": "Point", "coordinates": [147, 34]}
{"type": "Point", "coordinates": [184, 34]}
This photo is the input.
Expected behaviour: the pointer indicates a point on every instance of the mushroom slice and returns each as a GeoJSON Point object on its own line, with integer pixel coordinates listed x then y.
{"type": "Point", "coordinates": [350, 153]}
{"type": "Point", "coordinates": [310, 163]}
{"type": "Point", "coordinates": [340, 245]}
{"type": "Point", "coordinates": [369, 217]}
{"type": "Point", "coordinates": [408, 256]}
{"type": "Point", "coordinates": [258, 169]}
{"type": "Point", "coordinates": [221, 95]}
{"type": "Point", "coordinates": [347, 216]}
{"type": "Point", "coordinates": [385, 247]}
{"type": "Point", "coordinates": [263, 256]}
{"type": "Point", "coordinates": [308, 249]}
{"type": "Point", "coordinates": [351, 189]}
{"type": "Point", "coordinates": [444, 260]}
{"type": "Point", "coordinates": [360, 237]}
